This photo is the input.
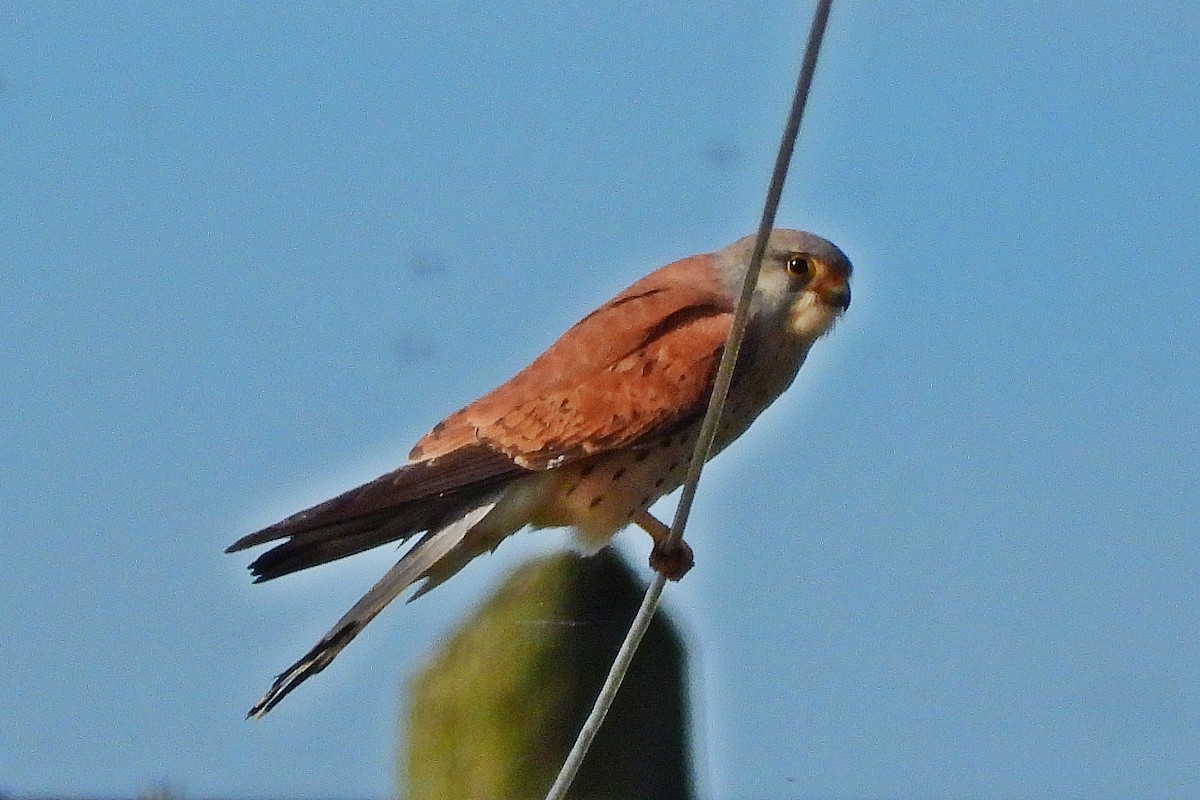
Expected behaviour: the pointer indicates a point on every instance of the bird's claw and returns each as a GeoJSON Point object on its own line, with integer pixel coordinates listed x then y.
{"type": "Point", "coordinates": [672, 563]}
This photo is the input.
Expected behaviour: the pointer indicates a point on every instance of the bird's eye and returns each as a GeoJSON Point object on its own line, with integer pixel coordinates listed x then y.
{"type": "Point", "coordinates": [801, 266]}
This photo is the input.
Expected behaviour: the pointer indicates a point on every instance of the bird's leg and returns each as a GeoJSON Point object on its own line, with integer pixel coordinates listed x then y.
{"type": "Point", "coordinates": [671, 561]}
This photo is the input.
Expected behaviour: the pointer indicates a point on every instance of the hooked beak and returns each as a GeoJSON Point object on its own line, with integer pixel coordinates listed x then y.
{"type": "Point", "coordinates": [837, 296]}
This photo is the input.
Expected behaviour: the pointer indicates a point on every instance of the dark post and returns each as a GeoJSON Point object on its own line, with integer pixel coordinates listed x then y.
{"type": "Point", "coordinates": [494, 711]}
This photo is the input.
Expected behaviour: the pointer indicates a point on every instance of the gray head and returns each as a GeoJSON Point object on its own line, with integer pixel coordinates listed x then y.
{"type": "Point", "coordinates": [804, 285]}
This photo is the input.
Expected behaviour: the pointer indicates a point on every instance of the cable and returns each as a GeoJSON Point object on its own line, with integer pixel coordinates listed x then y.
{"type": "Point", "coordinates": [716, 404]}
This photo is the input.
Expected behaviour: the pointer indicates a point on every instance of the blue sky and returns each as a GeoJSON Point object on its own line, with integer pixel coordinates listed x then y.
{"type": "Point", "coordinates": [251, 253]}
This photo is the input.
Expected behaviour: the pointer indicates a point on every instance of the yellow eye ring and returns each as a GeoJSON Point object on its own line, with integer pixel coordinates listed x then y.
{"type": "Point", "coordinates": [801, 266]}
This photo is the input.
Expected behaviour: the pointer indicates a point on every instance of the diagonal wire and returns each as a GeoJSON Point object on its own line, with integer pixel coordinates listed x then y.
{"type": "Point", "coordinates": [708, 429]}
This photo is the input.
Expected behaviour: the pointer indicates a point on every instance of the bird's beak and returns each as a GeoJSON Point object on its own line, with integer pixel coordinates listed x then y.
{"type": "Point", "coordinates": [837, 296]}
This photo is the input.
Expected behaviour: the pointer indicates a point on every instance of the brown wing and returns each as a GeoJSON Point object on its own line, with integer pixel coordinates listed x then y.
{"type": "Point", "coordinates": [637, 366]}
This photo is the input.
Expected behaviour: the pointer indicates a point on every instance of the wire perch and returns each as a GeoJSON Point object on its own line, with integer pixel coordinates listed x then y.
{"type": "Point", "coordinates": [708, 429]}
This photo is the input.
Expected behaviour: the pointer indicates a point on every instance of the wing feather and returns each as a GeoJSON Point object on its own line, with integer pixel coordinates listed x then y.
{"type": "Point", "coordinates": [417, 497]}
{"type": "Point", "coordinates": [631, 370]}
{"type": "Point", "coordinates": [477, 467]}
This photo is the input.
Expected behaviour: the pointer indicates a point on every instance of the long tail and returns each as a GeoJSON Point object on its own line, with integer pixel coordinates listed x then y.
{"type": "Point", "coordinates": [414, 565]}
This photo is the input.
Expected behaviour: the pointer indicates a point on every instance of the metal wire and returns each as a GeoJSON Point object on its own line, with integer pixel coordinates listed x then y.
{"type": "Point", "coordinates": [708, 429]}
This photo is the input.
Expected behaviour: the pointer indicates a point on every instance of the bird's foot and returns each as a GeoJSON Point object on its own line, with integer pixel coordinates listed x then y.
{"type": "Point", "coordinates": [670, 559]}
{"type": "Point", "coordinates": [672, 563]}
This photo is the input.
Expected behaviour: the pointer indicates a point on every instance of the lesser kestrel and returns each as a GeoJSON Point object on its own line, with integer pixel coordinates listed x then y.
{"type": "Point", "coordinates": [589, 435]}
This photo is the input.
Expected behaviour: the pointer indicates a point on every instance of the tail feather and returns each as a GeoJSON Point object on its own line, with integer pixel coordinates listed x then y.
{"type": "Point", "coordinates": [447, 496]}
{"type": "Point", "coordinates": [414, 565]}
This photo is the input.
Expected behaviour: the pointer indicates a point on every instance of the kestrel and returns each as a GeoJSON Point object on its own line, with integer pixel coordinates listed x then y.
{"type": "Point", "coordinates": [589, 435]}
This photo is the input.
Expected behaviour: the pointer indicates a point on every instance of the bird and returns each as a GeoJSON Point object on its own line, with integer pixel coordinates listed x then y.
{"type": "Point", "coordinates": [588, 436]}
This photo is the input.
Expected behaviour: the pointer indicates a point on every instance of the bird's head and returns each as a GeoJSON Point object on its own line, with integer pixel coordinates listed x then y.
{"type": "Point", "coordinates": [804, 285]}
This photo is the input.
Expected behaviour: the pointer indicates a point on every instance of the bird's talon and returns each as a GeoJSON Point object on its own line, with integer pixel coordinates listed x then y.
{"type": "Point", "coordinates": [674, 563]}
